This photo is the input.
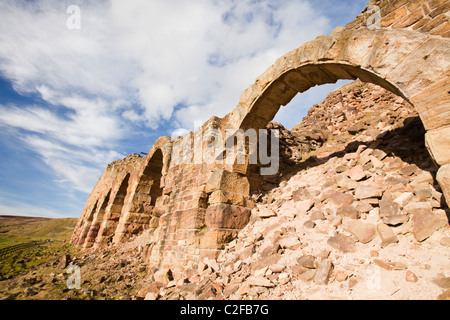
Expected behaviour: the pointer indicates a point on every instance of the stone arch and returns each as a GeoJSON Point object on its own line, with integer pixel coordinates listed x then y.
{"type": "Point", "coordinates": [147, 189]}
{"type": "Point", "coordinates": [413, 65]}
{"type": "Point", "coordinates": [113, 213]}
{"type": "Point", "coordinates": [87, 223]}
{"type": "Point", "coordinates": [94, 227]}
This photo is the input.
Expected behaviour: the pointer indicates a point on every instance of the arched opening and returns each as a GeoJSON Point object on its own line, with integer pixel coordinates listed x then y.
{"type": "Point", "coordinates": [141, 206]}
{"type": "Point", "coordinates": [87, 224]}
{"type": "Point", "coordinates": [113, 213]}
{"type": "Point", "coordinates": [409, 64]}
{"type": "Point", "coordinates": [96, 221]}
{"type": "Point", "coordinates": [370, 114]}
{"type": "Point", "coordinates": [281, 90]}
{"type": "Point", "coordinates": [152, 174]}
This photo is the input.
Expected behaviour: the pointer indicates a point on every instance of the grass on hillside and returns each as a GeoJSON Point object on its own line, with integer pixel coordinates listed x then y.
{"type": "Point", "coordinates": [14, 230]}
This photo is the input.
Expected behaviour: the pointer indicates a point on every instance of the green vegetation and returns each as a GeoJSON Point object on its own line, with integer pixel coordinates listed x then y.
{"type": "Point", "coordinates": [14, 230]}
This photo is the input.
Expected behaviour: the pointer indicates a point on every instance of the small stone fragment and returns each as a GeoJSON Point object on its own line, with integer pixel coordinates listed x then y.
{"type": "Point", "coordinates": [411, 276]}
{"type": "Point", "coordinates": [306, 261]}
{"type": "Point", "coordinates": [323, 272]}
{"type": "Point", "coordinates": [386, 234]}
{"type": "Point", "coordinates": [368, 191]}
{"type": "Point", "coordinates": [364, 232]}
{"type": "Point", "coordinates": [342, 242]}
{"type": "Point", "coordinates": [356, 173]}
{"type": "Point", "coordinates": [426, 222]}
{"type": "Point", "coordinates": [396, 220]}
{"type": "Point", "coordinates": [349, 212]}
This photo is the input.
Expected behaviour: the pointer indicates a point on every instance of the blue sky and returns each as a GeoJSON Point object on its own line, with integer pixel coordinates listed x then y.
{"type": "Point", "coordinates": [74, 100]}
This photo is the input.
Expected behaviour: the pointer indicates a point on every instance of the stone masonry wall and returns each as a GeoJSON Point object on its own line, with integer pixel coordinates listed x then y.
{"type": "Point", "coordinates": [189, 206]}
{"type": "Point", "coordinates": [198, 209]}
{"type": "Point", "coordinates": [418, 15]}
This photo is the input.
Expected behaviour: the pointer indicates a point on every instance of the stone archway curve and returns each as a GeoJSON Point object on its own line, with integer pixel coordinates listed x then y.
{"type": "Point", "coordinates": [138, 210]}
{"type": "Point", "coordinates": [413, 65]}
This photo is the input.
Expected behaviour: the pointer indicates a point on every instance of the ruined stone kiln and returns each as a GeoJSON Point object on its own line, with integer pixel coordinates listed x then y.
{"type": "Point", "coordinates": [190, 205]}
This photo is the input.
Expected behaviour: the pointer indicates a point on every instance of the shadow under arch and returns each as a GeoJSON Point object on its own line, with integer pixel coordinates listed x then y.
{"type": "Point", "coordinates": [147, 189]}
{"type": "Point", "coordinates": [113, 214]}
{"type": "Point", "coordinates": [96, 222]}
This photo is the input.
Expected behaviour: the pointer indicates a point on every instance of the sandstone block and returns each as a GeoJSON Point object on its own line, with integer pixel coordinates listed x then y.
{"type": "Point", "coordinates": [368, 191]}
{"type": "Point", "coordinates": [342, 242]}
{"type": "Point", "coordinates": [220, 196]}
{"type": "Point", "coordinates": [307, 261]}
{"type": "Point", "coordinates": [349, 212]}
{"type": "Point", "coordinates": [163, 275]}
{"type": "Point", "coordinates": [189, 219]}
{"type": "Point", "coordinates": [386, 234]}
{"type": "Point", "coordinates": [396, 220]}
{"type": "Point", "coordinates": [404, 198]}
{"type": "Point", "coordinates": [260, 282]}
{"type": "Point", "coordinates": [227, 216]}
{"type": "Point", "coordinates": [415, 72]}
{"type": "Point", "coordinates": [323, 272]}
{"type": "Point", "coordinates": [443, 177]}
{"type": "Point", "coordinates": [364, 232]}
{"type": "Point", "coordinates": [389, 208]}
{"type": "Point", "coordinates": [426, 222]}
{"type": "Point", "coordinates": [291, 242]}
{"type": "Point", "coordinates": [264, 212]}
{"type": "Point", "coordinates": [215, 239]}
{"type": "Point", "coordinates": [338, 197]}
{"type": "Point", "coordinates": [356, 173]}
{"type": "Point", "coordinates": [438, 143]}
{"type": "Point", "coordinates": [409, 19]}
{"type": "Point", "coordinates": [227, 181]}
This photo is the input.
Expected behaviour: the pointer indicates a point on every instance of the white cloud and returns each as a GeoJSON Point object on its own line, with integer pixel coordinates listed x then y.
{"type": "Point", "coordinates": [135, 62]}
{"type": "Point", "coordinates": [20, 209]}
{"type": "Point", "coordinates": [179, 132]}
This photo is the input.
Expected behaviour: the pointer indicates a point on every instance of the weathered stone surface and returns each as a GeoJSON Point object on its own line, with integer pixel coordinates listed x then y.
{"type": "Point", "coordinates": [389, 208]}
{"type": "Point", "coordinates": [364, 232]}
{"type": "Point", "coordinates": [368, 191]}
{"type": "Point", "coordinates": [356, 173]}
{"type": "Point", "coordinates": [404, 199]}
{"type": "Point", "coordinates": [277, 268]}
{"type": "Point", "coordinates": [163, 275]}
{"type": "Point", "coordinates": [413, 206]}
{"type": "Point", "coordinates": [292, 242]}
{"type": "Point", "coordinates": [411, 276]}
{"type": "Point", "coordinates": [395, 220]}
{"type": "Point", "coordinates": [426, 222]}
{"type": "Point", "coordinates": [307, 261]}
{"type": "Point", "coordinates": [188, 205]}
{"type": "Point", "coordinates": [317, 214]}
{"type": "Point", "coordinates": [304, 206]}
{"type": "Point", "coordinates": [342, 242]}
{"type": "Point", "coordinates": [339, 198]}
{"type": "Point", "coordinates": [386, 234]}
{"type": "Point", "coordinates": [349, 212]}
{"type": "Point", "coordinates": [323, 272]}
{"type": "Point", "coordinates": [445, 241]}
{"type": "Point", "coordinates": [264, 212]}
{"type": "Point", "coordinates": [227, 216]}
{"type": "Point", "coordinates": [443, 177]}
{"type": "Point", "coordinates": [260, 282]}
{"type": "Point", "coordinates": [227, 181]}
{"type": "Point", "coordinates": [64, 262]}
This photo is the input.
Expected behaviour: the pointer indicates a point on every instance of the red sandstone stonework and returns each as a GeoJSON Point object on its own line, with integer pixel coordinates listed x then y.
{"type": "Point", "coordinates": [189, 206]}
